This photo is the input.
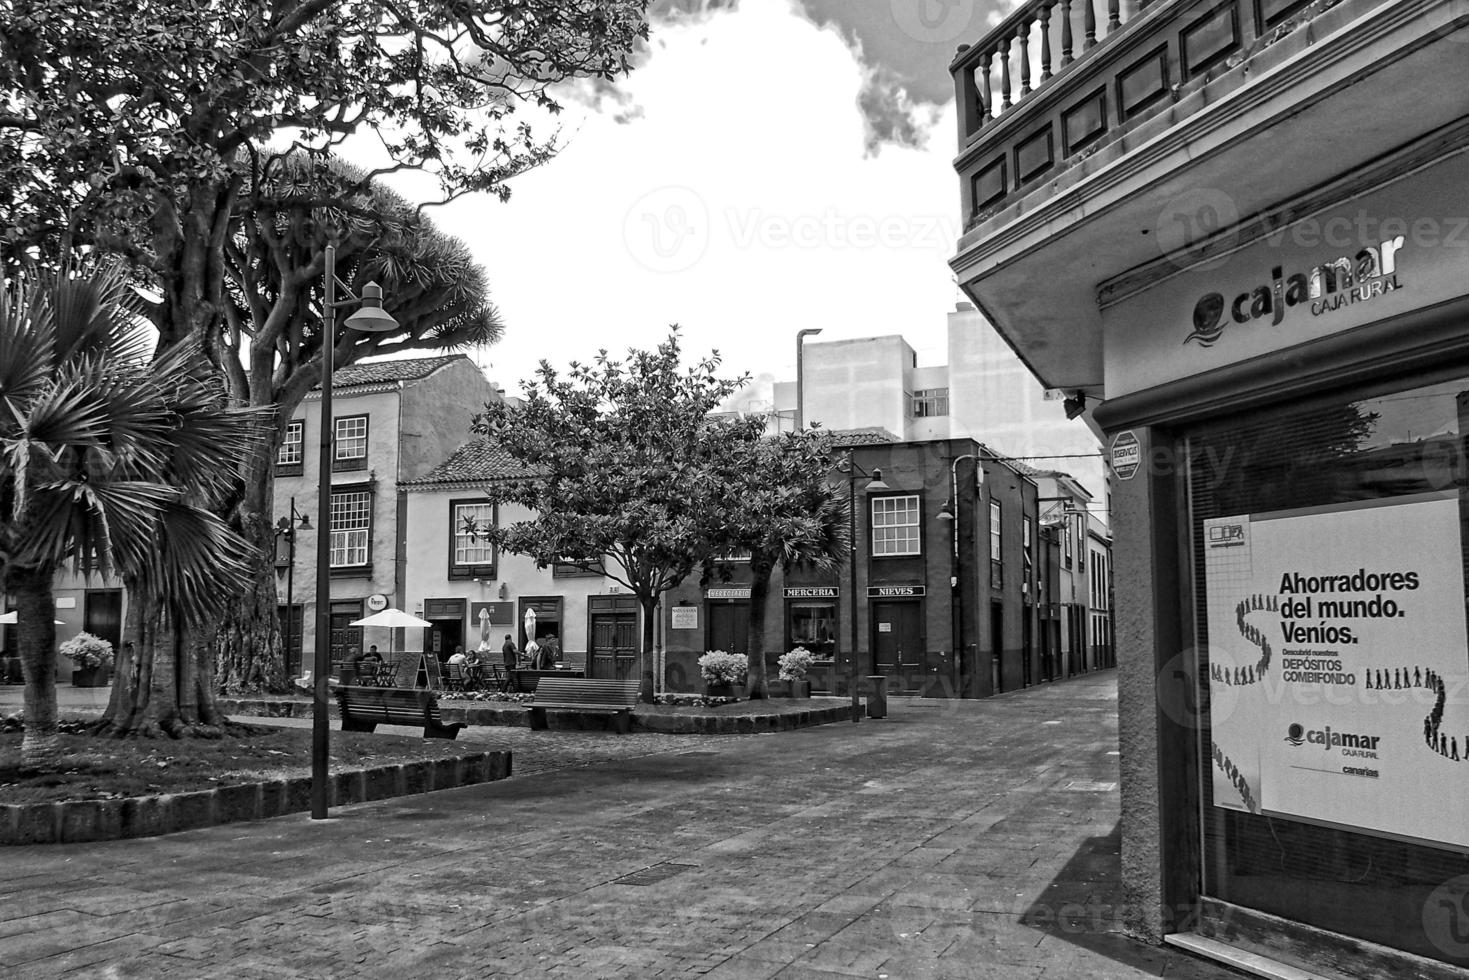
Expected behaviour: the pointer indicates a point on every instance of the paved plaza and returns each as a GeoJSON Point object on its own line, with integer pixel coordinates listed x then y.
{"type": "Point", "coordinates": [952, 839]}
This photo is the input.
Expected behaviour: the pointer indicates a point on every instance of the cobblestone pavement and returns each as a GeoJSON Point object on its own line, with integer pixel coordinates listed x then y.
{"type": "Point", "coordinates": [953, 839]}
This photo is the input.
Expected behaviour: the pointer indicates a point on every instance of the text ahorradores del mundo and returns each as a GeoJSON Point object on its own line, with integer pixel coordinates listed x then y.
{"type": "Point", "coordinates": [1356, 595]}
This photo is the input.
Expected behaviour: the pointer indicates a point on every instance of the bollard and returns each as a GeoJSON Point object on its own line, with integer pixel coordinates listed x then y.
{"type": "Point", "coordinates": [877, 696]}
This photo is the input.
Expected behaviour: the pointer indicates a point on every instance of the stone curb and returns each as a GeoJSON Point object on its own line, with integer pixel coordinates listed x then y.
{"type": "Point", "coordinates": [517, 715]}
{"type": "Point", "coordinates": [79, 821]}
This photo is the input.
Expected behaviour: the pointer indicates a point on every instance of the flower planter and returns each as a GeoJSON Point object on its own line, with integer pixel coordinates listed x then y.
{"type": "Point", "coordinates": [719, 689]}
{"type": "Point", "coordinates": [800, 688]}
{"type": "Point", "coordinates": [90, 677]}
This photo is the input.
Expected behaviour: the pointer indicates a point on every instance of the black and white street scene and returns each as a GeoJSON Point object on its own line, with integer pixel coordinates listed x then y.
{"type": "Point", "coordinates": [770, 489]}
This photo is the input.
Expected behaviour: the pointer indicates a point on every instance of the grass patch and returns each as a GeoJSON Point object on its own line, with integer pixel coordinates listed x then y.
{"type": "Point", "coordinates": [111, 768]}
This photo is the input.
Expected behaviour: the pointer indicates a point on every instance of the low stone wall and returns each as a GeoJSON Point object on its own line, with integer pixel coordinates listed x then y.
{"type": "Point", "coordinates": [515, 715]}
{"type": "Point", "coordinates": [148, 816]}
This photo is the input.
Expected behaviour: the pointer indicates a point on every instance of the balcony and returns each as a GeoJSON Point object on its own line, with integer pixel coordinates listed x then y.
{"type": "Point", "coordinates": [1098, 137]}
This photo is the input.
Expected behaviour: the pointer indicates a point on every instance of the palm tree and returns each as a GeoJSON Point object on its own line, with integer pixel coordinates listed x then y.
{"type": "Point", "coordinates": [107, 460]}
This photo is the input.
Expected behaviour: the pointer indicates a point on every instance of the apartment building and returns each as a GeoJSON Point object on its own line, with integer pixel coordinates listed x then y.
{"type": "Point", "coordinates": [1233, 233]}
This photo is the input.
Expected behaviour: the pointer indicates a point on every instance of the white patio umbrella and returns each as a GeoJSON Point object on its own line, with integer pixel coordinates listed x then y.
{"type": "Point", "coordinates": [391, 619]}
{"type": "Point", "coordinates": [484, 631]}
{"type": "Point", "coordinates": [12, 618]}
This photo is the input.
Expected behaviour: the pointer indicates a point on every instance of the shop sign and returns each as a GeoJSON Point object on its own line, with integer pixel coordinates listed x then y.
{"type": "Point", "coordinates": [377, 603]}
{"type": "Point", "coordinates": [884, 627]}
{"type": "Point", "coordinates": [684, 617]}
{"type": "Point", "coordinates": [894, 591]}
{"type": "Point", "coordinates": [1127, 455]}
{"type": "Point", "coordinates": [813, 592]}
{"type": "Point", "coordinates": [737, 593]}
{"type": "Point", "coordinates": [495, 612]}
{"type": "Point", "coordinates": [1332, 636]}
{"type": "Point", "coordinates": [1392, 251]}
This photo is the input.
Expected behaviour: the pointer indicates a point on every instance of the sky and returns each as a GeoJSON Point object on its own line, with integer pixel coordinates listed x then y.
{"type": "Point", "coordinates": [770, 165]}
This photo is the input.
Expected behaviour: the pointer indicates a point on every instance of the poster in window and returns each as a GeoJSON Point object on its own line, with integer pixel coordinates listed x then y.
{"type": "Point", "coordinates": [1339, 666]}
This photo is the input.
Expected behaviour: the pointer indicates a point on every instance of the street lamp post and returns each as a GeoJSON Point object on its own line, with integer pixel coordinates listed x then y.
{"type": "Point", "coordinates": [801, 336]}
{"type": "Point", "coordinates": [285, 528]}
{"type": "Point", "coordinates": [956, 567]}
{"type": "Point", "coordinates": [370, 318]}
{"type": "Point", "coordinates": [875, 483]}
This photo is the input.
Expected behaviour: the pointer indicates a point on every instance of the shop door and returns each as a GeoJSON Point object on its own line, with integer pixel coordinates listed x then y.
{"type": "Point", "coordinates": [292, 621]}
{"type": "Point", "coordinates": [346, 639]}
{"type": "Point", "coordinates": [614, 646]}
{"type": "Point", "coordinates": [1000, 659]}
{"type": "Point", "coordinates": [102, 615]}
{"type": "Point", "coordinates": [897, 644]}
{"type": "Point", "coordinates": [729, 627]}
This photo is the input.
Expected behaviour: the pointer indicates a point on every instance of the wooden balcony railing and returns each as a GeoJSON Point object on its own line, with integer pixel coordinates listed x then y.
{"type": "Point", "coordinates": [1059, 79]}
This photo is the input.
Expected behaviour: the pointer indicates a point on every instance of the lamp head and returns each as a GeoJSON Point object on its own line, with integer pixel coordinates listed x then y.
{"type": "Point", "coordinates": [371, 317]}
{"type": "Point", "coordinates": [876, 482]}
{"type": "Point", "coordinates": [303, 522]}
{"type": "Point", "coordinates": [946, 514]}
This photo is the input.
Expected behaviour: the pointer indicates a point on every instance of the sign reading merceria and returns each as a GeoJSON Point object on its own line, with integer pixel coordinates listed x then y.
{"type": "Point", "coordinates": [1372, 272]}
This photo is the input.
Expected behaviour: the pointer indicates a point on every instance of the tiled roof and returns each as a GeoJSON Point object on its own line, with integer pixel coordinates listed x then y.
{"type": "Point", "coordinates": [871, 436]}
{"type": "Point", "coordinates": [477, 461]}
{"type": "Point", "coordinates": [387, 372]}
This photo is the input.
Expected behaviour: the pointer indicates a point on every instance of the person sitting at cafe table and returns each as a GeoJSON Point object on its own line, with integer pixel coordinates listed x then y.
{"type": "Point", "coordinates": [370, 657]}
{"type": "Point", "coordinates": [471, 659]}
{"type": "Point", "coordinates": [458, 656]}
{"type": "Point", "coordinates": [550, 652]}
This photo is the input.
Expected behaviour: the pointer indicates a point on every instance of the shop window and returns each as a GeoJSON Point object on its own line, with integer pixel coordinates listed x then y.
{"type": "Point", "coordinates": [288, 459]}
{"type": "Point", "coordinates": [895, 528]}
{"type": "Point", "coordinates": [351, 530]}
{"type": "Point", "coordinates": [1328, 569]}
{"type": "Point", "coordinates": [813, 625]}
{"type": "Point", "coordinates": [351, 444]}
{"type": "Point", "coordinates": [473, 554]}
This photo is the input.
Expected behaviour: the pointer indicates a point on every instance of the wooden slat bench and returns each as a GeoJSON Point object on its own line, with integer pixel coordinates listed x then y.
{"type": "Point", "coordinates": [364, 708]}
{"type": "Point", "coordinates": [617, 698]}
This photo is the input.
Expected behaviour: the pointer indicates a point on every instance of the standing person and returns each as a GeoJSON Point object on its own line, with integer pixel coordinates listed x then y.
{"type": "Point", "coordinates": [550, 652]}
{"type": "Point", "coordinates": [509, 654]}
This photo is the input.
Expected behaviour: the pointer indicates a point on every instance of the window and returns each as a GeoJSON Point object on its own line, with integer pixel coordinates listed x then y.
{"type": "Point", "coordinates": [289, 456]}
{"type": "Point", "coordinates": [895, 526]}
{"type": "Point", "coordinates": [1080, 543]}
{"type": "Point", "coordinates": [997, 542]}
{"type": "Point", "coordinates": [1066, 543]}
{"type": "Point", "coordinates": [351, 528]}
{"type": "Point", "coordinates": [351, 444]}
{"type": "Point", "coordinates": [930, 402]}
{"type": "Point", "coordinates": [473, 554]}
{"type": "Point", "coordinates": [813, 625]}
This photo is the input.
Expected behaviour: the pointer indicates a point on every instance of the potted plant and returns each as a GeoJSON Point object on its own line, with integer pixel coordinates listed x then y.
{"type": "Point", "coordinates": [722, 672]}
{"type": "Point", "coordinates": [91, 657]}
{"type": "Point", "coordinates": [793, 668]}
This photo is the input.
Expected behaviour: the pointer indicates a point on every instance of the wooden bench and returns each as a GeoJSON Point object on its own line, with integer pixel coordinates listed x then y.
{"type": "Point", "coordinates": [617, 698]}
{"type": "Point", "coordinates": [364, 708]}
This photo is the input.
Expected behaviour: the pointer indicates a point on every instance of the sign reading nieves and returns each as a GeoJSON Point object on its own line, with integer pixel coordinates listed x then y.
{"type": "Point", "coordinates": [894, 591]}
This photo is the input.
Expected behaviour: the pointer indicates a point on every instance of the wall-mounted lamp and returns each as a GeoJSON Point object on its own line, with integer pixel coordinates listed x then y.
{"type": "Point", "coordinates": [504, 592]}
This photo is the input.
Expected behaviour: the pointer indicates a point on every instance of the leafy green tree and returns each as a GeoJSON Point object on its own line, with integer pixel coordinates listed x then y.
{"type": "Point", "coordinates": [626, 470]}
{"type": "Point", "coordinates": [160, 131]}
{"type": "Point", "coordinates": [109, 465]}
{"type": "Point", "coordinates": [782, 511]}
{"type": "Point", "coordinates": [270, 354]}
{"type": "Point", "coordinates": [146, 127]}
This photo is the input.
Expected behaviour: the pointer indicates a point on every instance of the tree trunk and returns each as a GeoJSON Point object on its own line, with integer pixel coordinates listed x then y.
{"type": "Point", "coordinates": [247, 647]}
{"type": "Point", "coordinates": [40, 746]}
{"type": "Point", "coordinates": [757, 686]}
{"type": "Point", "coordinates": [164, 684]}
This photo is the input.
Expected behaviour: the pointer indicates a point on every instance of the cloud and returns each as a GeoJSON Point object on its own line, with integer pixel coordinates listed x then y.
{"type": "Point", "coordinates": [904, 48]}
